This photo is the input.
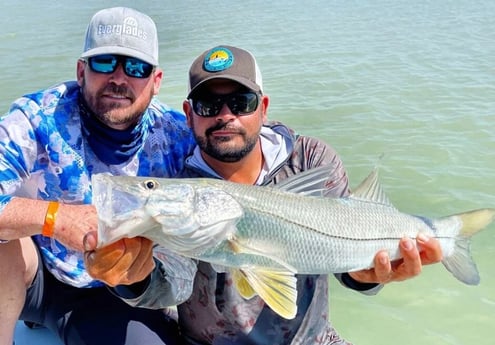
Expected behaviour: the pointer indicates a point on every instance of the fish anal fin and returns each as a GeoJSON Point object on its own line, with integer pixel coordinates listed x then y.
{"type": "Point", "coordinates": [278, 289]}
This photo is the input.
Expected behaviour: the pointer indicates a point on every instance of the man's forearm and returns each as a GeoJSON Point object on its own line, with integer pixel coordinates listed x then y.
{"type": "Point", "coordinates": [22, 217]}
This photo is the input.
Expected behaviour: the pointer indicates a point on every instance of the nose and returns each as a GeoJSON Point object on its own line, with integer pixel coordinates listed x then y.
{"type": "Point", "coordinates": [119, 76]}
{"type": "Point", "coordinates": [225, 113]}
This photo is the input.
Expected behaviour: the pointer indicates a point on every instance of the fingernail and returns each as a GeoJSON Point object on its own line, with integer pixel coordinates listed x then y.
{"type": "Point", "coordinates": [407, 244]}
{"type": "Point", "coordinates": [383, 259]}
{"type": "Point", "coordinates": [86, 245]}
{"type": "Point", "coordinates": [422, 238]}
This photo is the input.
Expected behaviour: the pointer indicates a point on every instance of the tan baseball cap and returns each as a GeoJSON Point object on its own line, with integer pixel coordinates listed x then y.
{"type": "Point", "coordinates": [225, 62]}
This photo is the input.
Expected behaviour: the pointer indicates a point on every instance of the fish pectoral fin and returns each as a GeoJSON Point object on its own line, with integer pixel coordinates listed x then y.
{"type": "Point", "coordinates": [278, 289]}
{"type": "Point", "coordinates": [239, 248]}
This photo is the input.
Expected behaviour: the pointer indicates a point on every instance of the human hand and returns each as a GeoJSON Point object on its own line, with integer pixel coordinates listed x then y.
{"type": "Point", "coordinates": [73, 222]}
{"type": "Point", "coordinates": [124, 262]}
{"type": "Point", "coordinates": [426, 251]}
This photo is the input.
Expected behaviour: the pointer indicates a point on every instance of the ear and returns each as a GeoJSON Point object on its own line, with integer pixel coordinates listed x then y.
{"type": "Point", "coordinates": [81, 66]}
{"type": "Point", "coordinates": [265, 101]}
{"type": "Point", "coordinates": [157, 80]}
{"type": "Point", "coordinates": [186, 107]}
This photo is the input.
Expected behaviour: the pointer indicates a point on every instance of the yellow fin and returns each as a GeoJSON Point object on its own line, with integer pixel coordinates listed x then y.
{"type": "Point", "coordinates": [277, 288]}
{"type": "Point", "coordinates": [476, 220]}
{"type": "Point", "coordinates": [242, 285]}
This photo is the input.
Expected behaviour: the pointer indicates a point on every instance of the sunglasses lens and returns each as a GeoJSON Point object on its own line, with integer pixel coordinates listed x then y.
{"type": "Point", "coordinates": [206, 108]}
{"type": "Point", "coordinates": [108, 64]}
{"type": "Point", "coordinates": [137, 68]}
{"type": "Point", "coordinates": [103, 63]}
{"type": "Point", "coordinates": [241, 103]}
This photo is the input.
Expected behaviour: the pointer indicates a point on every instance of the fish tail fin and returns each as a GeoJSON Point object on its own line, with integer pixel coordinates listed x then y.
{"type": "Point", "coordinates": [460, 263]}
{"type": "Point", "coordinates": [277, 288]}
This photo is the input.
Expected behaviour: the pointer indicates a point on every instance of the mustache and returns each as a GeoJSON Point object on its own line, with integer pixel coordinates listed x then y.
{"type": "Point", "coordinates": [118, 90]}
{"type": "Point", "coordinates": [224, 127]}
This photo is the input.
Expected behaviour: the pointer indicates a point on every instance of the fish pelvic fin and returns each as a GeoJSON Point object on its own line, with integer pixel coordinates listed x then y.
{"type": "Point", "coordinates": [460, 263]}
{"type": "Point", "coordinates": [278, 289]}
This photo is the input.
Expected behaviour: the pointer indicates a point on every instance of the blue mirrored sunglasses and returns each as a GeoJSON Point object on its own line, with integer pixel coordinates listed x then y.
{"type": "Point", "coordinates": [239, 103]}
{"type": "Point", "coordinates": [108, 63]}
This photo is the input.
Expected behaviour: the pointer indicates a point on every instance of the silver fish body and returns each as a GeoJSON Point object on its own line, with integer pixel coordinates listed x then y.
{"type": "Point", "coordinates": [286, 230]}
{"type": "Point", "coordinates": [311, 235]}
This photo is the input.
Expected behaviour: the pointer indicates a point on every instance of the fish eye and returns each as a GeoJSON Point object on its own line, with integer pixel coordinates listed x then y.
{"type": "Point", "coordinates": [150, 184]}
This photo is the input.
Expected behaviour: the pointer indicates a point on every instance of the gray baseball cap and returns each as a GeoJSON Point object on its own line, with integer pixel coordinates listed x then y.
{"type": "Point", "coordinates": [225, 62]}
{"type": "Point", "coordinates": [122, 31]}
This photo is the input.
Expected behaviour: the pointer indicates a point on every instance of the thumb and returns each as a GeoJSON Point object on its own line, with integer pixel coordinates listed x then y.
{"type": "Point", "coordinates": [90, 241]}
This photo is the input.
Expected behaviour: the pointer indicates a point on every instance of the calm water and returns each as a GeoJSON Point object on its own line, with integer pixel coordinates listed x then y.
{"type": "Point", "coordinates": [412, 81]}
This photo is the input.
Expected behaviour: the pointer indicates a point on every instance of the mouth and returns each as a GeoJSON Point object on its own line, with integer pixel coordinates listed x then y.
{"type": "Point", "coordinates": [117, 93]}
{"type": "Point", "coordinates": [224, 133]}
{"type": "Point", "coordinates": [116, 98]}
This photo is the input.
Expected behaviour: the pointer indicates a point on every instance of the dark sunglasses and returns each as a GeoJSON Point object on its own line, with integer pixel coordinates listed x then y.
{"type": "Point", "coordinates": [239, 103]}
{"type": "Point", "coordinates": [108, 64]}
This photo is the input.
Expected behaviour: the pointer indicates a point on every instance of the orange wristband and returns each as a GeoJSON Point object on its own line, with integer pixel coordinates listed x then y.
{"type": "Point", "coordinates": [51, 214]}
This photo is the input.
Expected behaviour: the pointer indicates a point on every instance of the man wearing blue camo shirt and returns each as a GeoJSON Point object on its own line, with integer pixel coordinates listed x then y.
{"type": "Point", "coordinates": [51, 142]}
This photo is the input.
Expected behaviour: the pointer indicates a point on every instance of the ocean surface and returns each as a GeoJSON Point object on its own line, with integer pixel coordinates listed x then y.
{"type": "Point", "coordinates": [408, 86]}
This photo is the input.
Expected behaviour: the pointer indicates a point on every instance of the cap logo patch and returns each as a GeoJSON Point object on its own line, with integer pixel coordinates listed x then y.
{"type": "Point", "coordinates": [218, 59]}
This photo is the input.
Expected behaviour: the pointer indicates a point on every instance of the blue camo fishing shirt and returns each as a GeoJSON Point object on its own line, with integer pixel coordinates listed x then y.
{"type": "Point", "coordinates": [44, 155]}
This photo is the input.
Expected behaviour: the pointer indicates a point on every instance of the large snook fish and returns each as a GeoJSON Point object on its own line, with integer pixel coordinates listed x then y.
{"type": "Point", "coordinates": [265, 235]}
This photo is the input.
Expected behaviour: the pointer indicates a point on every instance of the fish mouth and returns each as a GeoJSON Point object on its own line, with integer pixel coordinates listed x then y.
{"type": "Point", "coordinates": [114, 205]}
{"type": "Point", "coordinates": [121, 210]}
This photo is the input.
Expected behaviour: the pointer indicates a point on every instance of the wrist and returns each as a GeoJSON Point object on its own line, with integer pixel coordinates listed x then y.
{"type": "Point", "coordinates": [134, 290]}
{"type": "Point", "coordinates": [50, 217]}
{"type": "Point", "coordinates": [354, 284]}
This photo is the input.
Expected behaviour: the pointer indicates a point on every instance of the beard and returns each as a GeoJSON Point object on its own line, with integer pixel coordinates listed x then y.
{"type": "Point", "coordinates": [114, 113]}
{"type": "Point", "coordinates": [223, 149]}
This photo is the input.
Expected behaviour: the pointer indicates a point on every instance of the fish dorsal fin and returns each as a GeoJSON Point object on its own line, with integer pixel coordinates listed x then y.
{"type": "Point", "coordinates": [278, 289]}
{"type": "Point", "coordinates": [310, 182]}
{"type": "Point", "coordinates": [370, 189]}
